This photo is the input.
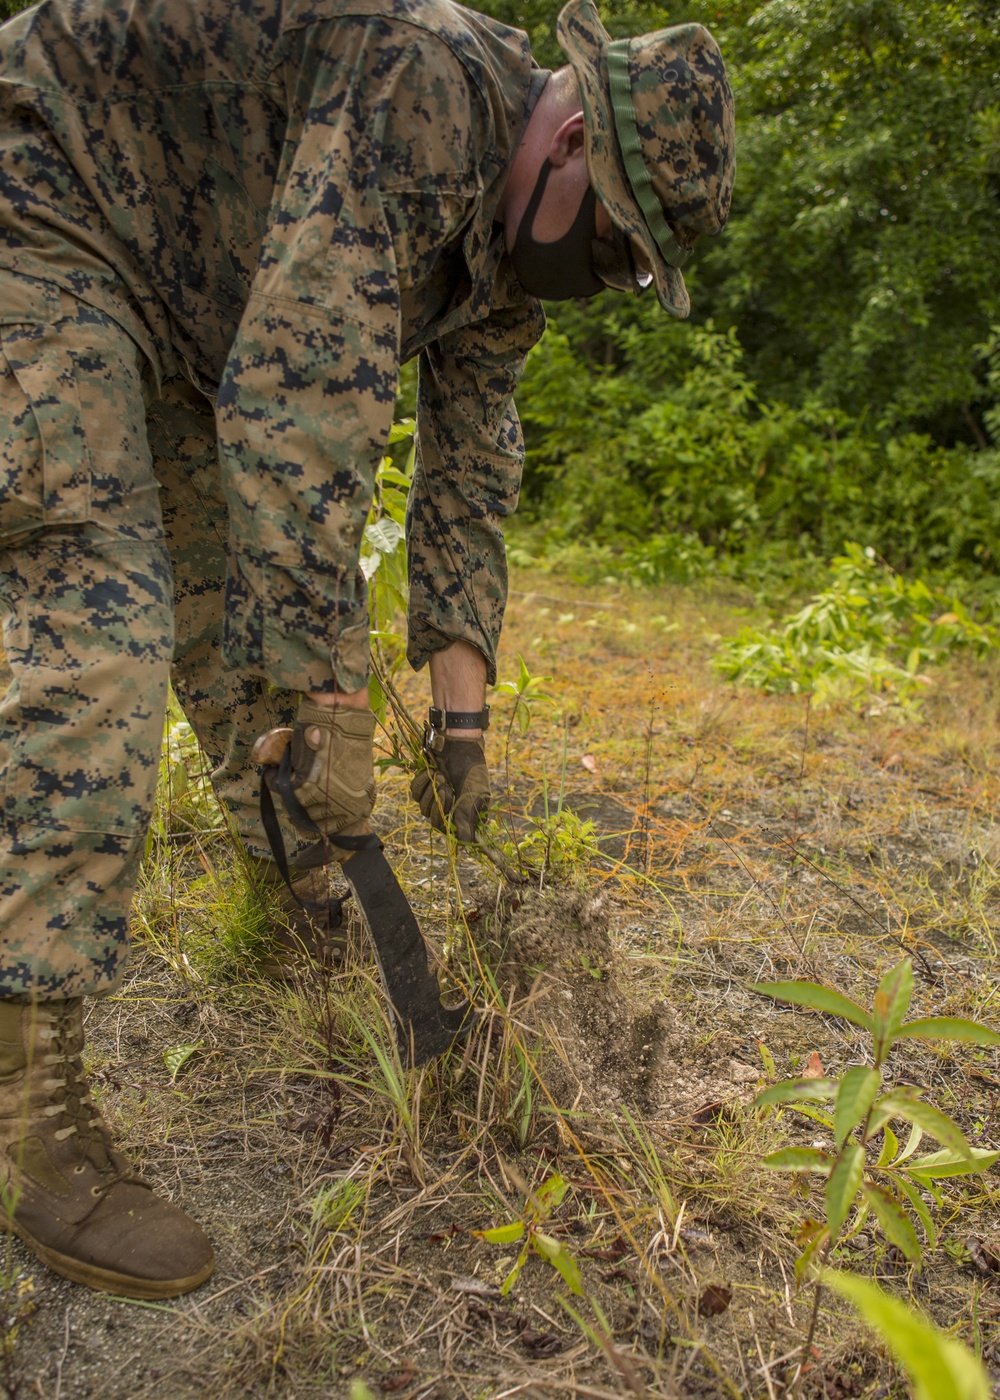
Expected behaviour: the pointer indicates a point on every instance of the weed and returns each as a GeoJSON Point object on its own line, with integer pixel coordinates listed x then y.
{"type": "Point", "coordinates": [868, 1161]}
{"type": "Point", "coordinates": [540, 1205]}
{"type": "Point", "coordinates": [870, 634]}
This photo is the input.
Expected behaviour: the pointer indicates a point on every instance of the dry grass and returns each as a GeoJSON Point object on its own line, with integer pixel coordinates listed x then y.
{"type": "Point", "coordinates": [742, 837]}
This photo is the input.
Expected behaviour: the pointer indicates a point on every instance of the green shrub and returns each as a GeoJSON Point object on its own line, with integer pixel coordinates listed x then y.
{"type": "Point", "coordinates": [870, 632]}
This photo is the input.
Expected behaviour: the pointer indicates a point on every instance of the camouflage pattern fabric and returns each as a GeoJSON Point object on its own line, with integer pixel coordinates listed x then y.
{"type": "Point", "coordinates": [286, 200]}
{"type": "Point", "coordinates": [227, 709]}
{"type": "Point", "coordinates": [90, 581]}
{"type": "Point", "coordinates": [88, 632]}
{"type": "Point", "coordinates": [279, 202]}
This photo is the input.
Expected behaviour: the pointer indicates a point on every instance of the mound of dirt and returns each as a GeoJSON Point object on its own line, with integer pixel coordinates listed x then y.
{"type": "Point", "coordinates": [605, 1047]}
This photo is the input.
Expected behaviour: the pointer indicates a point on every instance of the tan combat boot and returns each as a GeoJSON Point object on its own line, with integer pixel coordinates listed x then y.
{"type": "Point", "coordinates": [63, 1188]}
{"type": "Point", "coordinates": [301, 937]}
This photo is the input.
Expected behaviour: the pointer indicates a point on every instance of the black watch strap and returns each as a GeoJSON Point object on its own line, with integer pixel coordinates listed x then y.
{"type": "Point", "coordinates": [441, 720]}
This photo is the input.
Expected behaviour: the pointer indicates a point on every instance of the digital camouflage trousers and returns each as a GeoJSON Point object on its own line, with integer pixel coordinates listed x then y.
{"type": "Point", "coordinates": [109, 589]}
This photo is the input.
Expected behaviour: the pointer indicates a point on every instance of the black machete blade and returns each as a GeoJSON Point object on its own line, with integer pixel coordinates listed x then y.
{"type": "Point", "coordinates": [425, 1027]}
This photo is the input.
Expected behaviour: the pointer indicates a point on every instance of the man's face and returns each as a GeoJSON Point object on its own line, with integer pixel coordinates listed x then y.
{"type": "Point", "coordinates": [581, 251]}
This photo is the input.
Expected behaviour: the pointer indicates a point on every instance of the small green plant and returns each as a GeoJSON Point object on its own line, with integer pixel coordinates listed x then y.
{"type": "Point", "coordinates": [175, 1057]}
{"type": "Point", "coordinates": [867, 1163]}
{"type": "Point", "coordinates": [335, 1206]}
{"type": "Point", "coordinates": [527, 692]}
{"type": "Point", "coordinates": [534, 1240]}
{"type": "Point", "coordinates": [939, 1368]}
{"type": "Point", "coordinates": [871, 633]}
{"type": "Point", "coordinates": [559, 844]}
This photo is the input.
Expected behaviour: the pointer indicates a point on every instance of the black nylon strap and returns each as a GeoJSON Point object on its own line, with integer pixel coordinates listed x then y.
{"type": "Point", "coordinates": [278, 778]}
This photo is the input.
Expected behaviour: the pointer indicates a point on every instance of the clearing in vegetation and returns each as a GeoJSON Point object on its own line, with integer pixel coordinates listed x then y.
{"type": "Point", "coordinates": [575, 1202]}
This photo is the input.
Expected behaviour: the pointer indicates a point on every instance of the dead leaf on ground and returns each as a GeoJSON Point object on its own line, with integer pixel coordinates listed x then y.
{"type": "Point", "coordinates": [440, 1236]}
{"type": "Point", "coordinates": [540, 1343]}
{"type": "Point", "coordinates": [610, 1254]}
{"type": "Point", "coordinates": [707, 1113]}
{"type": "Point", "coordinates": [399, 1381]}
{"type": "Point", "coordinates": [589, 762]}
{"type": "Point", "coordinates": [985, 1258]}
{"type": "Point", "coordinates": [714, 1300]}
{"type": "Point", "coordinates": [814, 1067]}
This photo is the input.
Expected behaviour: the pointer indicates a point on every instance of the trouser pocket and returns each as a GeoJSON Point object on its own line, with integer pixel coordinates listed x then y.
{"type": "Point", "coordinates": [45, 462]}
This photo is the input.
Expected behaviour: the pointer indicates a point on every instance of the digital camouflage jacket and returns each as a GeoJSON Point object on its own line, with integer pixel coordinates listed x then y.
{"type": "Point", "coordinates": [285, 201]}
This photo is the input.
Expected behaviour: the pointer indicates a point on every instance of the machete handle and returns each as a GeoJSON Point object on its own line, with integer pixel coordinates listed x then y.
{"type": "Point", "coordinates": [269, 747]}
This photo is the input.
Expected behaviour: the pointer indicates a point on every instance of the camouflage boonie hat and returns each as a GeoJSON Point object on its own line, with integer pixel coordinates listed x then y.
{"type": "Point", "coordinates": [659, 136]}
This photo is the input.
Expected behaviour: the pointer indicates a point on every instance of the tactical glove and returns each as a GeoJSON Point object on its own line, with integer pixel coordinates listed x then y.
{"type": "Point", "coordinates": [455, 784]}
{"type": "Point", "coordinates": [333, 771]}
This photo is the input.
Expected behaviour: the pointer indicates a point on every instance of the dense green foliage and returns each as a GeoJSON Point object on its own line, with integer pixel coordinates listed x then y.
{"type": "Point", "coordinates": [835, 380]}
{"type": "Point", "coordinates": [839, 378]}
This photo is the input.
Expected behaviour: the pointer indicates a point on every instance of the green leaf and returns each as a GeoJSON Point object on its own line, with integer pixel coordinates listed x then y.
{"type": "Point", "coordinates": [938, 1124]}
{"type": "Point", "coordinates": [799, 1159]}
{"type": "Point", "coordinates": [895, 1222]}
{"type": "Point", "coordinates": [842, 1186]}
{"type": "Point", "coordinates": [948, 1028]}
{"type": "Point", "coordinates": [383, 536]}
{"type": "Point", "coordinates": [912, 1194]}
{"type": "Point", "coordinates": [891, 1003]}
{"type": "Point", "coordinates": [814, 1246]}
{"type": "Point", "coordinates": [935, 1165]}
{"type": "Point", "coordinates": [767, 1060]}
{"type": "Point", "coordinates": [855, 1097]}
{"type": "Point", "coordinates": [938, 1367]}
{"type": "Point", "coordinates": [792, 1090]}
{"type": "Point", "coordinates": [887, 1107]}
{"type": "Point", "coordinates": [890, 1146]}
{"type": "Point", "coordinates": [912, 1143]}
{"type": "Point", "coordinates": [177, 1056]}
{"type": "Point", "coordinates": [560, 1258]}
{"type": "Point", "coordinates": [502, 1234]}
{"type": "Point", "coordinates": [817, 997]}
{"type": "Point", "coordinates": [402, 428]}
{"type": "Point", "coordinates": [550, 1194]}
{"type": "Point", "coordinates": [512, 1277]}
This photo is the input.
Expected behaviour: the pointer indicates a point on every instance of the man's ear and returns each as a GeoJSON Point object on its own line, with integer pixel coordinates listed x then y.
{"type": "Point", "coordinates": [567, 141]}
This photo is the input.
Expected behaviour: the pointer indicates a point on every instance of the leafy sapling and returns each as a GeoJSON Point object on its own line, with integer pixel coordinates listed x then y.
{"type": "Point", "coordinates": [868, 1166]}
{"type": "Point", "coordinates": [534, 1240]}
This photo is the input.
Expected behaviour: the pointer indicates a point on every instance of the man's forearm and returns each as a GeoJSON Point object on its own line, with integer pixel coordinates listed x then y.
{"type": "Point", "coordinates": [458, 682]}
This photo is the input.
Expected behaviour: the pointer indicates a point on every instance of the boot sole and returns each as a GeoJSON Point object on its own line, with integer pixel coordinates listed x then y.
{"type": "Point", "coordinates": [107, 1280]}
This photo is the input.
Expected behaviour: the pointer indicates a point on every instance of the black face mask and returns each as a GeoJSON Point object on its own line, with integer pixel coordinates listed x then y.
{"type": "Point", "coordinates": [564, 269]}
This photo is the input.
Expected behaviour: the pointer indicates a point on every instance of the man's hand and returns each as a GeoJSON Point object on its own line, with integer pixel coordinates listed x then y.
{"type": "Point", "coordinates": [455, 784]}
{"type": "Point", "coordinates": [333, 773]}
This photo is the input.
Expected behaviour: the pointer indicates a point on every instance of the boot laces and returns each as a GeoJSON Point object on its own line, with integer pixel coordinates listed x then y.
{"type": "Point", "coordinates": [72, 1101]}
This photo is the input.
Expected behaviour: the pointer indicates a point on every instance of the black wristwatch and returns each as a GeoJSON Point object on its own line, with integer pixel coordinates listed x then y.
{"type": "Point", "coordinates": [439, 720]}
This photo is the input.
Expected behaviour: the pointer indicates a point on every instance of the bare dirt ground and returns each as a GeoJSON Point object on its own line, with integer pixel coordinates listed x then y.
{"type": "Point", "coordinates": [736, 838]}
